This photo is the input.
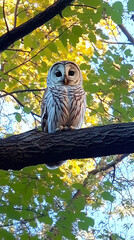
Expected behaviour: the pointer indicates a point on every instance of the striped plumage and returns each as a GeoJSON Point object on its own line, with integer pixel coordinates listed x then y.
{"type": "Point", "coordinates": [64, 100]}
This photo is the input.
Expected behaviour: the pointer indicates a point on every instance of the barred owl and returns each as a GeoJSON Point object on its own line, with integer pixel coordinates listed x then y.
{"type": "Point", "coordinates": [64, 100]}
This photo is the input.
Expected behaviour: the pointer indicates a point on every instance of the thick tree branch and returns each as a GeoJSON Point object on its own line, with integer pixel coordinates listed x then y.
{"type": "Point", "coordinates": [35, 147]}
{"type": "Point", "coordinates": [17, 33]}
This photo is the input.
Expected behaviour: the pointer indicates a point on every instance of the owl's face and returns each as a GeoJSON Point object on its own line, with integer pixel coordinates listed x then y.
{"type": "Point", "coordinates": [64, 73]}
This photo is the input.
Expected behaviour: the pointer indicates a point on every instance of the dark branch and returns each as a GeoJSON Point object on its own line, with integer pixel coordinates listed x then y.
{"type": "Point", "coordinates": [122, 43]}
{"type": "Point", "coordinates": [125, 31]}
{"type": "Point", "coordinates": [5, 16]}
{"type": "Point", "coordinates": [19, 32]}
{"type": "Point", "coordinates": [35, 147]}
{"type": "Point", "coordinates": [99, 168]}
{"type": "Point", "coordinates": [15, 13]}
{"type": "Point", "coordinates": [83, 5]}
{"type": "Point", "coordinates": [22, 91]}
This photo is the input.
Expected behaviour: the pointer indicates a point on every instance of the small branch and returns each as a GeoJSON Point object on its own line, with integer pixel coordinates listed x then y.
{"type": "Point", "coordinates": [5, 16]}
{"type": "Point", "coordinates": [21, 104]}
{"type": "Point", "coordinates": [129, 43]}
{"type": "Point", "coordinates": [128, 35]}
{"type": "Point", "coordinates": [99, 169]}
{"type": "Point", "coordinates": [18, 50]}
{"type": "Point", "coordinates": [22, 91]}
{"type": "Point", "coordinates": [21, 83]}
{"type": "Point", "coordinates": [82, 5]}
{"type": "Point", "coordinates": [24, 85]}
{"type": "Point", "coordinates": [15, 13]}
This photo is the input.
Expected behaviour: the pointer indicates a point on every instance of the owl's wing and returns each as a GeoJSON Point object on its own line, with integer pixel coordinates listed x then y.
{"type": "Point", "coordinates": [44, 115]}
{"type": "Point", "coordinates": [78, 107]}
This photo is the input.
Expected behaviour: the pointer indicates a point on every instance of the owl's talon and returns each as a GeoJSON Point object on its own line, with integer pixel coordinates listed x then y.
{"type": "Point", "coordinates": [60, 128]}
{"type": "Point", "coordinates": [72, 128]}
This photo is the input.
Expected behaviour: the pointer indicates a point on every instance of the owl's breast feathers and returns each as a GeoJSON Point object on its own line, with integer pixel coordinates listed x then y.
{"type": "Point", "coordinates": [63, 106]}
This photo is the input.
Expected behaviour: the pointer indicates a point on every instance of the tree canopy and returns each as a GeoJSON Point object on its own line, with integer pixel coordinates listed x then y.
{"type": "Point", "coordinates": [89, 198]}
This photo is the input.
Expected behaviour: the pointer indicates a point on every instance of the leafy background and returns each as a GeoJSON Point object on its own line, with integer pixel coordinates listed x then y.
{"type": "Point", "coordinates": [72, 202]}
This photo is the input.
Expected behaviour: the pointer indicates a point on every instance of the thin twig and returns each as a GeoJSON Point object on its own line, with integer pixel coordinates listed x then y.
{"type": "Point", "coordinates": [22, 84]}
{"type": "Point", "coordinates": [21, 104]}
{"type": "Point", "coordinates": [21, 91]}
{"type": "Point", "coordinates": [5, 16]}
{"type": "Point", "coordinates": [117, 42]}
{"type": "Point", "coordinates": [18, 50]}
{"type": "Point", "coordinates": [15, 13]}
{"type": "Point", "coordinates": [82, 5]}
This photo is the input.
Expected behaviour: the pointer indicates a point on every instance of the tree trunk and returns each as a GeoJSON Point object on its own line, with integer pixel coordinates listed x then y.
{"type": "Point", "coordinates": [36, 147]}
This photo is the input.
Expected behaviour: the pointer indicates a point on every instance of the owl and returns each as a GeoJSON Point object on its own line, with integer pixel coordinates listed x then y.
{"type": "Point", "coordinates": [64, 100]}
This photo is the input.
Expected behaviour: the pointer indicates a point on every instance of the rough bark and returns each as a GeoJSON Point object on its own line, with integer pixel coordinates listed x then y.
{"type": "Point", "coordinates": [19, 32]}
{"type": "Point", "coordinates": [35, 147]}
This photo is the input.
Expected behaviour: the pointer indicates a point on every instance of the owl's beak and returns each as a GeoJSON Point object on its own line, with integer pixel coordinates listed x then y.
{"type": "Point", "coordinates": [65, 81]}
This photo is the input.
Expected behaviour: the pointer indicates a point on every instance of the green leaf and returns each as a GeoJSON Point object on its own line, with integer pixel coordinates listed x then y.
{"type": "Point", "coordinates": [79, 203]}
{"type": "Point", "coordinates": [28, 41]}
{"type": "Point", "coordinates": [18, 117]}
{"type": "Point", "coordinates": [73, 39]}
{"type": "Point", "coordinates": [85, 66]}
{"type": "Point", "coordinates": [5, 235]}
{"type": "Point", "coordinates": [92, 37]}
{"type": "Point", "coordinates": [118, 7]}
{"type": "Point", "coordinates": [92, 2]}
{"type": "Point", "coordinates": [2, 85]}
{"type": "Point", "coordinates": [108, 183]}
{"type": "Point", "coordinates": [116, 17]}
{"type": "Point", "coordinates": [107, 196]}
{"type": "Point", "coordinates": [93, 88]}
{"type": "Point", "coordinates": [25, 236]}
{"type": "Point", "coordinates": [130, 5]}
{"type": "Point", "coordinates": [116, 12]}
{"type": "Point", "coordinates": [85, 223]}
{"type": "Point", "coordinates": [77, 30]}
{"type": "Point", "coordinates": [1, 13]}
{"type": "Point", "coordinates": [12, 213]}
{"type": "Point", "coordinates": [26, 109]}
{"type": "Point", "coordinates": [127, 100]}
{"type": "Point", "coordinates": [128, 53]}
{"type": "Point", "coordinates": [64, 38]}
{"type": "Point", "coordinates": [91, 221]}
{"type": "Point", "coordinates": [53, 47]}
{"type": "Point", "coordinates": [22, 13]}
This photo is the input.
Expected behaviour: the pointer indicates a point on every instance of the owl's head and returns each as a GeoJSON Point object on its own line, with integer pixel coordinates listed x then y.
{"type": "Point", "coordinates": [64, 73]}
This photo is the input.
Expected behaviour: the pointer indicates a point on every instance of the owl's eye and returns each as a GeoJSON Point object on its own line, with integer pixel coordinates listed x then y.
{"type": "Point", "coordinates": [58, 74]}
{"type": "Point", "coordinates": [71, 73]}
